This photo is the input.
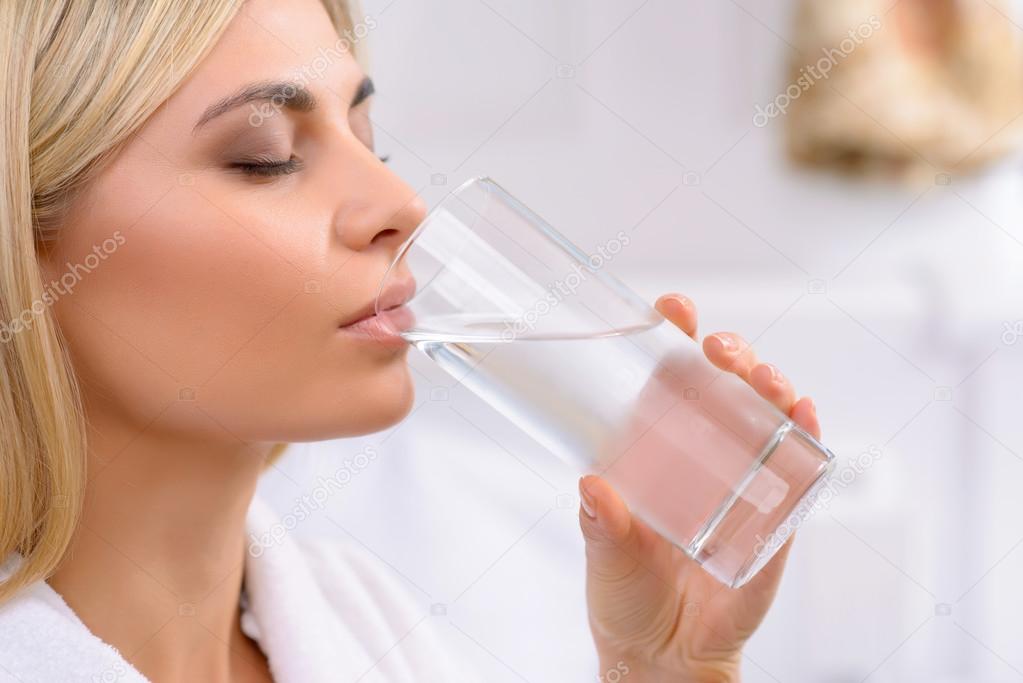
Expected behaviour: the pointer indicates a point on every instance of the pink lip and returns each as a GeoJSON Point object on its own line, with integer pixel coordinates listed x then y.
{"type": "Point", "coordinates": [383, 319]}
{"type": "Point", "coordinates": [385, 327]}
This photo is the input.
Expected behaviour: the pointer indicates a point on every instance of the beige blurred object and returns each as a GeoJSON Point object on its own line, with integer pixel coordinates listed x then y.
{"type": "Point", "coordinates": [928, 86]}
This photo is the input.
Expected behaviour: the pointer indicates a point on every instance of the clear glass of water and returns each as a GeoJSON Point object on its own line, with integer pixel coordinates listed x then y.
{"type": "Point", "coordinates": [539, 329]}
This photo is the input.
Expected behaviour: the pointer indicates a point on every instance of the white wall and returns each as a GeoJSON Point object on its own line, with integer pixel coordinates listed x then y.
{"type": "Point", "coordinates": [593, 112]}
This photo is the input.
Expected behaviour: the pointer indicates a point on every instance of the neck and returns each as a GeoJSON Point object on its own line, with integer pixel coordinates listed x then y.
{"type": "Point", "coordinates": [156, 565]}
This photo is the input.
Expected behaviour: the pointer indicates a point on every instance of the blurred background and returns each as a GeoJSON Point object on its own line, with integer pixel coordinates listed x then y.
{"type": "Point", "coordinates": [836, 180]}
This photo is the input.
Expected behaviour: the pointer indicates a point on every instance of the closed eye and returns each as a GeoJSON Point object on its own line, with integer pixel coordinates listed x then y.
{"type": "Point", "coordinates": [265, 167]}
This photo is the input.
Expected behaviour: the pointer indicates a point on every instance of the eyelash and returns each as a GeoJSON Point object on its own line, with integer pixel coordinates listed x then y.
{"type": "Point", "coordinates": [265, 167]}
{"type": "Point", "coordinates": [268, 168]}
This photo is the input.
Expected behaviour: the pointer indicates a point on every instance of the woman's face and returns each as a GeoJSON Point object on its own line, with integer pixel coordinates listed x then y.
{"type": "Point", "coordinates": [229, 242]}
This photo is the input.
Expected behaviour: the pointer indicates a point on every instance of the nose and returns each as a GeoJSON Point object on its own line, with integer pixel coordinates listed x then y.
{"type": "Point", "coordinates": [378, 209]}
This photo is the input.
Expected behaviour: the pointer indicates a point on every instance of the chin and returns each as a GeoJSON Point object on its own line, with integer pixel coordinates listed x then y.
{"type": "Point", "coordinates": [387, 405]}
{"type": "Point", "coordinates": [381, 403]}
{"type": "Point", "coordinates": [381, 400]}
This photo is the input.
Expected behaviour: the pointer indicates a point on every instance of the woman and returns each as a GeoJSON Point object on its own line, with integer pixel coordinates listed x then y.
{"type": "Point", "coordinates": [193, 217]}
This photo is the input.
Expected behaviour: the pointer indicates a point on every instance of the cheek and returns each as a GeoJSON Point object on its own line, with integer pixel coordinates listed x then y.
{"type": "Point", "coordinates": [187, 288]}
{"type": "Point", "coordinates": [204, 314]}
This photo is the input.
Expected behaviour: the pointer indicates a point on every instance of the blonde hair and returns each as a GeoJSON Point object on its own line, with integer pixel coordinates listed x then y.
{"type": "Point", "coordinates": [77, 79]}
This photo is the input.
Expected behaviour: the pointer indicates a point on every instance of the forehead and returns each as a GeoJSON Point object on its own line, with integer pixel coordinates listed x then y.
{"type": "Point", "coordinates": [291, 40]}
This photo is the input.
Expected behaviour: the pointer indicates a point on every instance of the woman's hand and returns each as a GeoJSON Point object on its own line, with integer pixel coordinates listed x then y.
{"type": "Point", "coordinates": [655, 614]}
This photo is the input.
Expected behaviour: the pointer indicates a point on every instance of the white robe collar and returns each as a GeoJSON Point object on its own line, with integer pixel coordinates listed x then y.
{"type": "Point", "coordinates": [320, 615]}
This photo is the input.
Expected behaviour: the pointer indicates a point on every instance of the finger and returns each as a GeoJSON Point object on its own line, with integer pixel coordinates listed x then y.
{"type": "Point", "coordinates": [730, 352]}
{"type": "Point", "coordinates": [804, 414]}
{"type": "Point", "coordinates": [770, 383]}
{"type": "Point", "coordinates": [612, 541]}
{"type": "Point", "coordinates": [767, 579]}
{"type": "Point", "coordinates": [680, 310]}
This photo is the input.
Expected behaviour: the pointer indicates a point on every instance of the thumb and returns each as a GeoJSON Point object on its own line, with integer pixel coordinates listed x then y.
{"type": "Point", "coordinates": [612, 537]}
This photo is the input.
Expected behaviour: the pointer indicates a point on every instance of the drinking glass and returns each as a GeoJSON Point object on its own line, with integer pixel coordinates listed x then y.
{"type": "Point", "coordinates": [543, 333]}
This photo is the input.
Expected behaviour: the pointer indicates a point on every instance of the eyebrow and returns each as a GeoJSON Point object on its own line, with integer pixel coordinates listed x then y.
{"type": "Point", "coordinates": [290, 95]}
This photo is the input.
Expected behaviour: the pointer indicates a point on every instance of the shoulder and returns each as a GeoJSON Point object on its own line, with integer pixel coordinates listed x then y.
{"type": "Point", "coordinates": [42, 639]}
{"type": "Point", "coordinates": [391, 609]}
{"type": "Point", "coordinates": [345, 603]}
{"type": "Point", "coordinates": [341, 566]}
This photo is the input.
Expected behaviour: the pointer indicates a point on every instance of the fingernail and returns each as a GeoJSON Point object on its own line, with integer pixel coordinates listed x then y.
{"type": "Point", "coordinates": [589, 507]}
{"type": "Point", "coordinates": [676, 302]}
{"type": "Point", "coordinates": [727, 344]}
{"type": "Point", "coordinates": [775, 374]}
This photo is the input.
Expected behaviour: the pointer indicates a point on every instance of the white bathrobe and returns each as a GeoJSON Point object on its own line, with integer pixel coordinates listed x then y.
{"type": "Point", "coordinates": [320, 611]}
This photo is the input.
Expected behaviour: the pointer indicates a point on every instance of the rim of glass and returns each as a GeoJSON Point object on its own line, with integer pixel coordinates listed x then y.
{"type": "Point", "coordinates": [613, 283]}
{"type": "Point", "coordinates": [407, 244]}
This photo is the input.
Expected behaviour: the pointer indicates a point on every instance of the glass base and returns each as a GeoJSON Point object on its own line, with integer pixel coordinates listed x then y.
{"type": "Point", "coordinates": [740, 539]}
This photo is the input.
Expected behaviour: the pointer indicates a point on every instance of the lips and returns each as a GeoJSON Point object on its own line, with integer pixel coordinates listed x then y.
{"type": "Point", "coordinates": [396, 293]}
